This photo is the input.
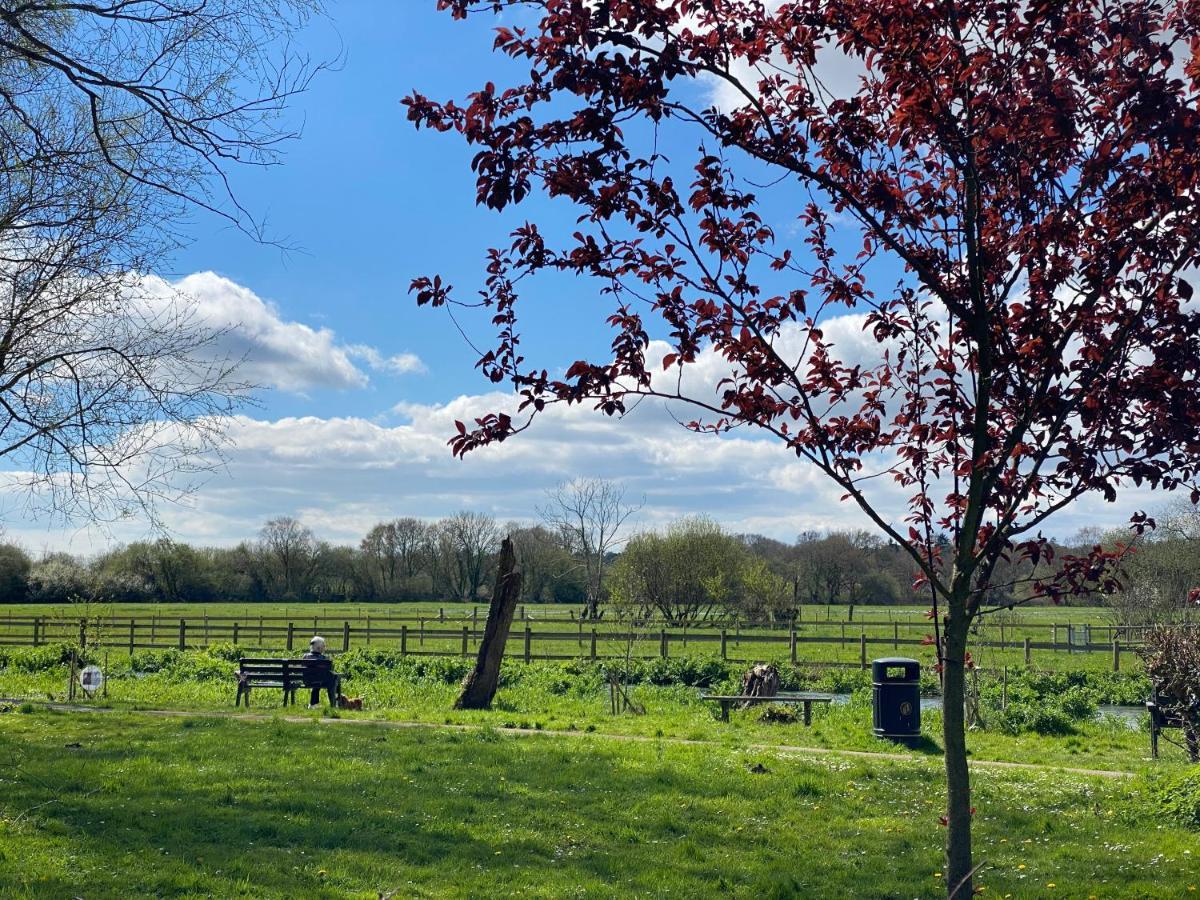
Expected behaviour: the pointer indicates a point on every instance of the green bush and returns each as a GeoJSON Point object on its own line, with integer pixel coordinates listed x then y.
{"type": "Point", "coordinates": [44, 658]}
{"type": "Point", "coordinates": [1044, 719]}
{"type": "Point", "coordinates": [1178, 795]}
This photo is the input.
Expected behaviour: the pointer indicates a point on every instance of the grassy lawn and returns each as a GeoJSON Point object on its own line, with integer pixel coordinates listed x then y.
{"type": "Point", "coordinates": [550, 696]}
{"type": "Point", "coordinates": [124, 805]}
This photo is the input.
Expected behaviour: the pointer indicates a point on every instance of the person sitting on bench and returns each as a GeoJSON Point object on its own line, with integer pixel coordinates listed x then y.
{"type": "Point", "coordinates": [316, 650]}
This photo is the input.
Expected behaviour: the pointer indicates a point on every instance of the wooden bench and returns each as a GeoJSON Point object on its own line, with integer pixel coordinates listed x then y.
{"type": "Point", "coordinates": [289, 675]}
{"type": "Point", "coordinates": [806, 700]}
{"type": "Point", "coordinates": [1160, 719]}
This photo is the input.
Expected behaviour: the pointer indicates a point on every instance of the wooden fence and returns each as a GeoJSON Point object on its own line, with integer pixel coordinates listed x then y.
{"type": "Point", "coordinates": [561, 639]}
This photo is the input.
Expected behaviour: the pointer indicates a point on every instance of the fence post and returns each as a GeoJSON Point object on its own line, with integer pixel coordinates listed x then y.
{"type": "Point", "coordinates": [528, 640]}
{"type": "Point", "coordinates": [1028, 652]}
{"type": "Point", "coordinates": [662, 643]}
{"type": "Point", "coordinates": [153, 630]}
{"type": "Point", "coordinates": [345, 636]}
{"type": "Point", "coordinates": [260, 631]}
{"type": "Point", "coordinates": [403, 640]}
{"type": "Point", "coordinates": [895, 635]}
{"type": "Point", "coordinates": [441, 614]}
{"type": "Point", "coordinates": [522, 612]}
{"type": "Point", "coordinates": [368, 631]}
{"type": "Point", "coordinates": [579, 640]}
{"type": "Point", "coordinates": [291, 634]}
{"type": "Point", "coordinates": [466, 639]}
{"type": "Point", "coordinates": [182, 634]}
{"type": "Point", "coordinates": [724, 642]}
{"type": "Point", "coordinates": [862, 650]}
{"type": "Point", "coordinates": [237, 628]}
{"type": "Point", "coordinates": [132, 624]}
{"type": "Point", "coordinates": [37, 622]}
{"type": "Point", "coordinates": [843, 634]}
{"type": "Point", "coordinates": [83, 632]}
{"type": "Point", "coordinates": [1054, 636]}
{"type": "Point", "coordinates": [792, 645]}
{"type": "Point", "coordinates": [421, 636]}
{"type": "Point", "coordinates": [593, 643]}
{"type": "Point", "coordinates": [1002, 644]}
{"type": "Point", "coordinates": [1116, 654]}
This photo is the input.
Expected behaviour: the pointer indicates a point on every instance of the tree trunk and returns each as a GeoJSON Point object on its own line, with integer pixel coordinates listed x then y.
{"type": "Point", "coordinates": [479, 687]}
{"type": "Point", "coordinates": [958, 779]}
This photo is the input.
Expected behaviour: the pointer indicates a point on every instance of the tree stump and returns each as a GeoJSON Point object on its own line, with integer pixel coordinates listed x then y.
{"type": "Point", "coordinates": [479, 687]}
{"type": "Point", "coordinates": [761, 680]}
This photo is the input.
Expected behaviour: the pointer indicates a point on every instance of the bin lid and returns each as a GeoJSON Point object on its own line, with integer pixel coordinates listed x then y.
{"type": "Point", "coordinates": [880, 667]}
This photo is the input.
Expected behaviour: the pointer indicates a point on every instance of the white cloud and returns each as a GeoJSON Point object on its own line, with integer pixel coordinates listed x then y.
{"type": "Point", "coordinates": [277, 352]}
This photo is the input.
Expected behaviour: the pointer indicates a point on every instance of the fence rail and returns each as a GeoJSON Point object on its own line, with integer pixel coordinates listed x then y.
{"type": "Point", "coordinates": [426, 636]}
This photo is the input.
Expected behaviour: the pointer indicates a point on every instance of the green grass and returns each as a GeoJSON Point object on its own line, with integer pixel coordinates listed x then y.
{"type": "Point", "coordinates": [122, 805]}
{"type": "Point", "coordinates": [823, 639]}
{"type": "Point", "coordinates": [549, 696]}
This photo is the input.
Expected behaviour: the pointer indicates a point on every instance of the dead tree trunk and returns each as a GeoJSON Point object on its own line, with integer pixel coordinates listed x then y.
{"type": "Point", "coordinates": [479, 687]}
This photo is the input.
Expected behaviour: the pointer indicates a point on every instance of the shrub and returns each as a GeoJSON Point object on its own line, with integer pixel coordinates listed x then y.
{"type": "Point", "coordinates": [1178, 796]}
{"type": "Point", "coordinates": [1043, 719]}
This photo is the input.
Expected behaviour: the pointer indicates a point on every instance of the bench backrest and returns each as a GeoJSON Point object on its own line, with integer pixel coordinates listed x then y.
{"type": "Point", "coordinates": [307, 672]}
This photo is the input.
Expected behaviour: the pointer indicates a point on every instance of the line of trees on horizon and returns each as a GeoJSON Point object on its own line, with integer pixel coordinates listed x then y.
{"type": "Point", "coordinates": [690, 569]}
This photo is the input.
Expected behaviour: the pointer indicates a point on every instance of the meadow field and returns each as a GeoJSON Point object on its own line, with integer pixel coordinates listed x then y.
{"type": "Point", "coordinates": [158, 787]}
{"type": "Point", "coordinates": [825, 635]}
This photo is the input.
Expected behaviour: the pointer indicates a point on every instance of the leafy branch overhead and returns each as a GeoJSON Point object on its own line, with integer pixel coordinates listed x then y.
{"type": "Point", "coordinates": [1001, 191]}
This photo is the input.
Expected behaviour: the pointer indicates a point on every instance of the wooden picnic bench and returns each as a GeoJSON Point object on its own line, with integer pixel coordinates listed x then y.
{"type": "Point", "coordinates": [287, 674]}
{"type": "Point", "coordinates": [805, 700]}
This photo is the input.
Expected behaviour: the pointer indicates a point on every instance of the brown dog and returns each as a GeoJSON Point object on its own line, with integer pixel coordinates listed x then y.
{"type": "Point", "coordinates": [345, 702]}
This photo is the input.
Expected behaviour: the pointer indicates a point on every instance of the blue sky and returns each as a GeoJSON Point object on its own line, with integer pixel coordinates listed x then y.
{"type": "Point", "coordinates": [363, 387]}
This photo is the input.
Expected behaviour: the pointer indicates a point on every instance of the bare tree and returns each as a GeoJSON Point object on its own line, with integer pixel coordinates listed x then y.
{"type": "Point", "coordinates": [115, 118]}
{"type": "Point", "coordinates": [466, 543]}
{"type": "Point", "coordinates": [291, 553]}
{"type": "Point", "coordinates": [589, 513]}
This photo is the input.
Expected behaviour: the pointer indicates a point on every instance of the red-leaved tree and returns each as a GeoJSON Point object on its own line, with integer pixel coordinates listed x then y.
{"type": "Point", "coordinates": [1003, 190]}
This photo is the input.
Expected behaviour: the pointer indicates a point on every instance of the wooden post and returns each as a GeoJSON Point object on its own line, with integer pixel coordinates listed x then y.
{"type": "Point", "coordinates": [843, 634]}
{"type": "Point", "coordinates": [792, 645]}
{"type": "Point", "coordinates": [528, 640]}
{"type": "Point", "coordinates": [153, 630]}
{"type": "Point", "coordinates": [895, 635]}
{"type": "Point", "coordinates": [368, 631]}
{"type": "Point", "coordinates": [466, 640]}
{"type": "Point", "coordinates": [182, 634]}
{"type": "Point", "coordinates": [593, 643]}
{"type": "Point", "coordinates": [421, 636]}
{"type": "Point", "coordinates": [862, 649]}
{"type": "Point", "coordinates": [345, 636]}
{"type": "Point", "coordinates": [523, 612]}
{"type": "Point", "coordinates": [1002, 643]}
{"type": "Point", "coordinates": [260, 631]}
{"type": "Point", "coordinates": [236, 631]}
{"type": "Point", "coordinates": [290, 634]}
{"type": "Point", "coordinates": [403, 640]}
{"type": "Point", "coordinates": [579, 640]}
{"type": "Point", "coordinates": [1070, 648]}
{"type": "Point", "coordinates": [1028, 652]}
{"type": "Point", "coordinates": [37, 625]}
{"type": "Point", "coordinates": [132, 625]}
{"type": "Point", "coordinates": [1116, 655]}
{"type": "Point", "coordinates": [206, 628]}
{"type": "Point", "coordinates": [724, 644]}
{"type": "Point", "coordinates": [1054, 636]}
{"type": "Point", "coordinates": [662, 643]}
{"type": "Point", "coordinates": [83, 632]}
{"type": "Point", "coordinates": [441, 614]}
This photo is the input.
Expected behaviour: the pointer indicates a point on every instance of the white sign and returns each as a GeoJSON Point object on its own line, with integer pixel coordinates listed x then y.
{"type": "Point", "coordinates": [91, 679]}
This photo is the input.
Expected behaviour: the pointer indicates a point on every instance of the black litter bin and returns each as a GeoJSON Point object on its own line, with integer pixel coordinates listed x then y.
{"type": "Point", "coordinates": [896, 692]}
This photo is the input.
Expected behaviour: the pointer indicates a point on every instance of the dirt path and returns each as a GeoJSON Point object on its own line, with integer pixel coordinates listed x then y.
{"type": "Point", "coordinates": [782, 749]}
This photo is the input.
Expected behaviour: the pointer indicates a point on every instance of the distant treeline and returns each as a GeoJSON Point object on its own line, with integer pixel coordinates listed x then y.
{"type": "Point", "coordinates": [691, 568]}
